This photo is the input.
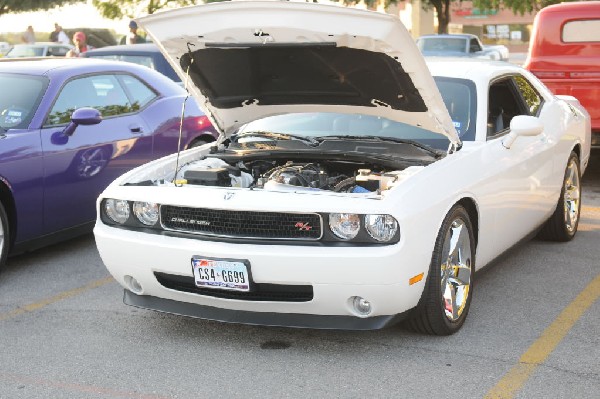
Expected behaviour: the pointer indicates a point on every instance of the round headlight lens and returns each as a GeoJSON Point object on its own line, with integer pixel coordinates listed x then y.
{"type": "Point", "coordinates": [381, 227]}
{"type": "Point", "coordinates": [146, 212]}
{"type": "Point", "coordinates": [344, 225]}
{"type": "Point", "coordinates": [117, 210]}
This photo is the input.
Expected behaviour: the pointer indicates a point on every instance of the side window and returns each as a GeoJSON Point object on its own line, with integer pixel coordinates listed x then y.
{"type": "Point", "coordinates": [102, 92]}
{"type": "Point", "coordinates": [504, 103]}
{"type": "Point", "coordinates": [530, 95]}
{"type": "Point", "coordinates": [57, 51]}
{"type": "Point", "coordinates": [474, 46]}
{"type": "Point", "coordinates": [140, 93]}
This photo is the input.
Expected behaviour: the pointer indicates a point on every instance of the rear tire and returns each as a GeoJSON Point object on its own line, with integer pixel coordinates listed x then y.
{"type": "Point", "coordinates": [4, 236]}
{"type": "Point", "coordinates": [446, 298]}
{"type": "Point", "coordinates": [563, 223]}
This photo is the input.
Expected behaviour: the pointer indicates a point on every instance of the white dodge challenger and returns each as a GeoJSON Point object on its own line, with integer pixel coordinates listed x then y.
{"type": "Point", "coordinates": [354, 185]}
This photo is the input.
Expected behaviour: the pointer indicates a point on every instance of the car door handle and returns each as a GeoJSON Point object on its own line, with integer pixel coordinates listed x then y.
{"type": "Point", "coordinates": [136, 129]}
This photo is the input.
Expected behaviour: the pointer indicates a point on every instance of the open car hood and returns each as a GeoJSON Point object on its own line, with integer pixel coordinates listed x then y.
{"type": "Point", "coordinates": [249, 60]}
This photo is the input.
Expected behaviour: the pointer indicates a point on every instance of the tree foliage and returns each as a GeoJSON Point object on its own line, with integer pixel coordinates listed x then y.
{"type": "Point", "coordinates": [16, 6]}
{"type": "Point", "coordinates": [517, 6]}
{"type": "Point", "coordinates": [117, 9]}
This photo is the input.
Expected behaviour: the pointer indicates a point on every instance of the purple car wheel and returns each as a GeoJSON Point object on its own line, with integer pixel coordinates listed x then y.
{"type": "Point", "coordinates": [4, 235]}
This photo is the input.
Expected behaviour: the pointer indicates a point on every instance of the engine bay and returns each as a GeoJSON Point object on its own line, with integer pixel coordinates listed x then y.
{"type": "Point", "coordinates": [340, 176]}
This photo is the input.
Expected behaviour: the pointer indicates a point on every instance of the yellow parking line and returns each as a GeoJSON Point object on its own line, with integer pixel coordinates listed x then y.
{"type": "Point", "coordinates": [63, 295]}
{"type": "Point", "coordinates": [539, 351]}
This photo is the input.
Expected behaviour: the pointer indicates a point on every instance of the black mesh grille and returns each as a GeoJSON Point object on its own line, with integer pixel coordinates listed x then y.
{"type": "Point", "coordinates": [246, 224]}
{"type": "Point", "coordinates": [259, 292]}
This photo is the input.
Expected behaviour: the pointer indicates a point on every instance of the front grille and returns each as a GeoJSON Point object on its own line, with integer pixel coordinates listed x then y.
{"type": "Point", "coordinates": [242, 224]}
{"type": "Point", "coordinates": [259, 292]}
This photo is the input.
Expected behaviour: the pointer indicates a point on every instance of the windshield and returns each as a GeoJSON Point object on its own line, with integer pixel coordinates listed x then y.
{"type": "Point", "coordinates": [19, 97]}
{"type": "Point", "coordinates": [334, 124]}
{"type": "Point", "coordinates": [442, 44]}
{"type": "Point", "coordinates": [458, 95]}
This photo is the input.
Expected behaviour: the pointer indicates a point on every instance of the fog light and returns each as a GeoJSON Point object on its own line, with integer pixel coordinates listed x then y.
{"type": "Point", "coordinates": [133, 285]}
{"type": "Point", "coordinates": [361, 306]}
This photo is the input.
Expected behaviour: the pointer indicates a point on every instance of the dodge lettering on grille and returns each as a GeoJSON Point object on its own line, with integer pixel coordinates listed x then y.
{"type": "Point", "coordinates": [191, 221]}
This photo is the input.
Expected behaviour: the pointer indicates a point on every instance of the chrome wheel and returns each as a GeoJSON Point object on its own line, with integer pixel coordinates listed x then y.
{"type": "Point", "coordinates": [455, 270]}
{"type": "Point", "coordinates": [446, 298]}
{"type": "Point", "coordinates": [572, 190]}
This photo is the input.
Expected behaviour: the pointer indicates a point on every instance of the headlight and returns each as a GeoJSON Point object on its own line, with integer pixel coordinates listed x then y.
{"type": "Point", "coordinates": [381, 227]}
{"type": "Point", "coordinates": [344, 225]}
{"type": "Point", "coordinates": [146, 212]}
{"type": "Point", "coordinates": [117, 210]}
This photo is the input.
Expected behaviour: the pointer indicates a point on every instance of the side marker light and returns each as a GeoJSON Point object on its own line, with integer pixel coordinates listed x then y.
{"type": "Point", "coordinates": [415, 279]}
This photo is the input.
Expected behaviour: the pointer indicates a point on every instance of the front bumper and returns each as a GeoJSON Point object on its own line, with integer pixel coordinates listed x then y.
{"type": "Point", "coordinates": [336, 274]}
{"type": "Point", "coordinates": [260, 318]}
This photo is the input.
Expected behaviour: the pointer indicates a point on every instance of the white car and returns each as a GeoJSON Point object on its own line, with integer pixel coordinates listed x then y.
{"type": "Point", "coordinates": [350, 188]}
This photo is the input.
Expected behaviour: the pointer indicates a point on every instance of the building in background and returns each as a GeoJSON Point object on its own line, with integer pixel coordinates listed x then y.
{"type": "Point", "coordinates": [492, 26]}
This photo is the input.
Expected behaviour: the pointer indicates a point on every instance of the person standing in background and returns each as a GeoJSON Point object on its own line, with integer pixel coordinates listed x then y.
{"type": "Point", "coordinates": [81, 45]}
{"type": "Point", "coordinates": [58, 35]}
{"type": "Point", "coordinates": [132, 37]}
{"type": "Point", "coordinates": [28, 36]}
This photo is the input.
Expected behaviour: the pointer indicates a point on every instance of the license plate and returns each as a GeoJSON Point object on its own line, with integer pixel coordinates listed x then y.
{"type": "Point", "coordinates": [221, 274]}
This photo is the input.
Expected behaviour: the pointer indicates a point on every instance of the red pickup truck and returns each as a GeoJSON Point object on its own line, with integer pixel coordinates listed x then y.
{"type": "Point", "coordinates": [564, 52]}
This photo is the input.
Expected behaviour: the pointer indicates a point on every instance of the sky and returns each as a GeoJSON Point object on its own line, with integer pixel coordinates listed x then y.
{"type": "Point", "coordinates": [73, 16]}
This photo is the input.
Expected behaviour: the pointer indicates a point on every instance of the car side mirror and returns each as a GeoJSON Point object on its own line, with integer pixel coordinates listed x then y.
{"type": "Point", "coordinates": [82, 116]}
{"type": "Point", "coordinates": [522, 125]}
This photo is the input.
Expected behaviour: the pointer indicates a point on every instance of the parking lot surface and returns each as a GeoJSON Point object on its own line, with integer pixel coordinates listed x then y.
{"type": "Point", "coordinates": [532, 332]}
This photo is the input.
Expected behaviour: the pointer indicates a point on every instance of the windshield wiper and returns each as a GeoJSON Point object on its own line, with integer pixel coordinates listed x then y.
{"type": "Point", "coordinates": [275, 136]}
{"type": "Point", "coordinates": [433, 151]}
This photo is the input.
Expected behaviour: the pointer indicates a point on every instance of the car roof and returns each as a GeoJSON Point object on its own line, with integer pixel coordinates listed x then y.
{"type": "Point", "coordinates": [127, 48]}
{"type": "Point", "coordinates": [58, 65]}
{"type": "Point", "coordinates": [582, 6]}
{"type": "Point", "coordinates": [469, 68]}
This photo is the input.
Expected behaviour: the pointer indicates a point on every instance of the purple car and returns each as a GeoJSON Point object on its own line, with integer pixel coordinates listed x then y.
{"type": "Point", "coordinates": [69, 127]}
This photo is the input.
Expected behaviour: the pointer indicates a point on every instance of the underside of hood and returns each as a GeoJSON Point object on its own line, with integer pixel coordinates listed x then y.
{"type": "Point", "coordinates": [250, 60]}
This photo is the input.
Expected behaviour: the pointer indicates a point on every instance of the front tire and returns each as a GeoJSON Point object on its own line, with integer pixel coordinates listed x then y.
{"type": "Point", "coordinates": [563, 223]}
{"type": "Point", "coordinates": [446, 298]}
{"type": "Point", "coordinates": [4, 236]}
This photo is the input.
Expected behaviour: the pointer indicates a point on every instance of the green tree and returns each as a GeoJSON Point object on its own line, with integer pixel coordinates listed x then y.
{"type": "Point", "coordinates": [16, 6]}
{"type": "Point", "coordinates": [116, 9]}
